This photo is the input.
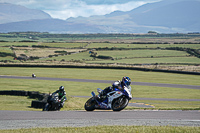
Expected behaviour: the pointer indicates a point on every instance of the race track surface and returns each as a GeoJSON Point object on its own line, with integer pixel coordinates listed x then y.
{"type": "Point", "coordinates": [105, 81]}
{"type": "Point", "coordinates": [31, 119]}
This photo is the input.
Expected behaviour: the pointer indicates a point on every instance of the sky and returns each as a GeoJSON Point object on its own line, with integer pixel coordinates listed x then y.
{"type": "Point", "coordinates": [63, 9]}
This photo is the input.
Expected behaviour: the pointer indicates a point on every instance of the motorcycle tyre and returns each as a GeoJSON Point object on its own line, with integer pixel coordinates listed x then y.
{"type": "Point", "coordinates": [91, 102]}
{"type": "Point", "coordinates": [46, 107]}
{"type": "Point", "coordinates": [121, 107]}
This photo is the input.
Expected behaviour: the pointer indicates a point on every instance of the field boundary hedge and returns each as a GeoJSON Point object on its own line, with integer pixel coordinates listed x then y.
{"type": "Point", "coordinates": [100, 67]}
{"type": "Point", "coordinates": [42, 97]}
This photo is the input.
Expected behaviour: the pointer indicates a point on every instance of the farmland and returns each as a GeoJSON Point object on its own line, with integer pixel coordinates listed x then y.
{"type": "Point", "coordinates": [154, 51]}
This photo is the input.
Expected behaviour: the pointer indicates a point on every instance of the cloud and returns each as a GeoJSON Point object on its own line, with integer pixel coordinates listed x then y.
{"type": "Point", "coordinates": [106, 2]}
{"type": "Point", "coordinates": [85, 10]}
{"type": "Point", "coordinates": [111, 2]}
{"type": "Point", "coordinates": [64, 9]}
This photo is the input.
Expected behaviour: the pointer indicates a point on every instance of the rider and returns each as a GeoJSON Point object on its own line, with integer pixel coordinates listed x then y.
{"type": "Point", "coordinates": [61, 95]}
{"type": "Point", "coordinates": [126, 81]}
{"type": "Point", "coordinates": [33, 75]}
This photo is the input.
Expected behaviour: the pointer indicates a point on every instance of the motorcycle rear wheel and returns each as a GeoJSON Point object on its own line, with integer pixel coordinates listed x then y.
{"type": "Point", "coordinates": [119, 103]}
{"type": "Point", "coordinates": [90, 104]}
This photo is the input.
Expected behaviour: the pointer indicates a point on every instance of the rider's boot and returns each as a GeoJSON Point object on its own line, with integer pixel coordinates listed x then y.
{"type": "Point", "coordinates": [101, 96]}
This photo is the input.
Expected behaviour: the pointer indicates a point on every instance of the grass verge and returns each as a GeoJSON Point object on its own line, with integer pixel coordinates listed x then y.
{"type": "Point", "coordinates": [109, 129]}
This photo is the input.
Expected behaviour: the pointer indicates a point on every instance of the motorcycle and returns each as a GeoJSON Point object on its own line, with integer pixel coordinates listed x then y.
{"type": "Point", "coordinates": [33, 76]}
{"type": "Point", "coordinates": [115, 100]}
{"type": "Point", "coordinates": [52, 104]}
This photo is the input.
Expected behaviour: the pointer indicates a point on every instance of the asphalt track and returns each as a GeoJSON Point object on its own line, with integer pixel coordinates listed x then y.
{"type": "Point", "coordinates": [105, 81]}
{"type": "Point", "coordinates": [31, 119]}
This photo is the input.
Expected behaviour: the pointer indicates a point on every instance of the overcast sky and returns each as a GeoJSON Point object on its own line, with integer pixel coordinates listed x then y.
{"type": "Point", "coordinates": [64, 9]}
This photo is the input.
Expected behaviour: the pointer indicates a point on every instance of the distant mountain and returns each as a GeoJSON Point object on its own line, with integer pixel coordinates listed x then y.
{"type": "Point", "coordinates": [15, 13]}
{"type": "Point", "coordinates": [48, 25]}
{"type": "Point", "coordinates": [181, 15]}
{"type": "Point", "coordinates": [167, 16]}
{"type": "Point", "coordinates": [164, 16]}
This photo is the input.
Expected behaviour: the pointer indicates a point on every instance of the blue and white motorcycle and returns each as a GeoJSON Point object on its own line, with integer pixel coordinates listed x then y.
{"type": "Point", "coordinates": [116, 100]}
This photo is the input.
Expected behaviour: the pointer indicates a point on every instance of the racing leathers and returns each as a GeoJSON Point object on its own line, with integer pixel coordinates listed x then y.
{"type": "Point", "coordinates": [61, 96]}
{"type": "Point", "coordinates": [116, 85]}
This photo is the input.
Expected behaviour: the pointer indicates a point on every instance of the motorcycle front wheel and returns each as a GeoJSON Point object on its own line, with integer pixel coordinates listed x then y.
{"type": "Point", "coordinates": [119, 103]}
{"type": "Point", "coordinates": [90, 104]}
{"type": "Point", "coordinates": [46, 107]}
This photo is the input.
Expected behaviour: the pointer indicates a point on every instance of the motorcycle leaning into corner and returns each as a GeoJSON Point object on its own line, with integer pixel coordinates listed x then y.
{"type": "Point", "coordinates": [116, 100]}
{"type": "Point", "coordinates": [52, 104]}
{"type": "Point", "coordinates": [33, 75]}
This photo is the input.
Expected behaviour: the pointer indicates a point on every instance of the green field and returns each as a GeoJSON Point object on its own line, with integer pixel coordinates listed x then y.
{"type": "Point", "coordinates": [128, 45]}
{"type": "Point", "coordinates": [148, 61]}
{"type": "Point", "coordinates": [121, 53]}
{"type": "Point", "coordinates": [65, 45]}
{"type": "Point", "coordinates": [141, 53]}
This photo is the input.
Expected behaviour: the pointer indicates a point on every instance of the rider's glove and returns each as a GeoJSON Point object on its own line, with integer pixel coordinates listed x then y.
{"type": "Point", "coordinates": [120, 88]}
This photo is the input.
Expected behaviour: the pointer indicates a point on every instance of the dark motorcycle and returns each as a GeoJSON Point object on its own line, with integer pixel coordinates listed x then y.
{"type": "Point", "coordinates": [52, 104]}
{"type": "Point", "coordinates": [33, 76]}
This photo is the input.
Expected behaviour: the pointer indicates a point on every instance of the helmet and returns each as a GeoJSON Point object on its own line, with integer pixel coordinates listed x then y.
{"type": "Point", "coordinates": [126, 81]}
{"type": "Point", "coordinates": [61, 88]}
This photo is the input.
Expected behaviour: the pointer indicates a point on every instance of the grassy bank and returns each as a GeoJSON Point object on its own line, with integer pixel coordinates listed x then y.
{"type": "Point", "coordinates": [109, 129]}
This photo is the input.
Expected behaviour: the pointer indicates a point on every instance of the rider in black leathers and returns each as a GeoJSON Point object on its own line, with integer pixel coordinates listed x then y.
{"type": "Point", "coordinates": [61, 95]}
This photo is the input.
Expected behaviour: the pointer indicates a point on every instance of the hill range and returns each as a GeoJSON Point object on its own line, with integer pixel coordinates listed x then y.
{"type": "Point", "coordinates": [167, 16]}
